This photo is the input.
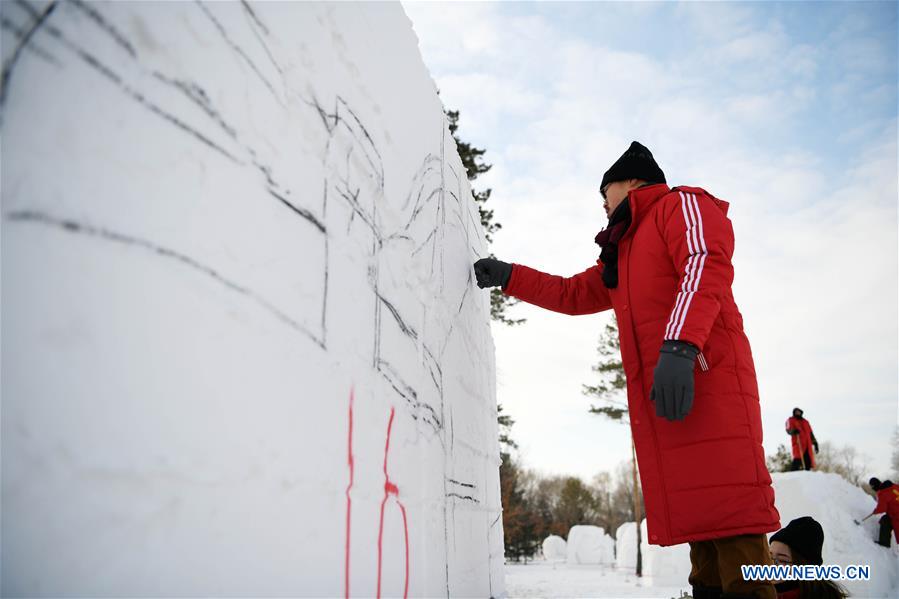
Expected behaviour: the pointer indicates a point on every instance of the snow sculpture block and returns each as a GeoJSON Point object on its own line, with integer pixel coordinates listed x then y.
{"type": "Point", "coordinates": [590, 545]}
{"type": "Point", "coordinates": [664, 566]}
{"type": "Point", "coordinates": [243, 353]}
{"type": "Point", "coordinates": [555, 549]}
{"type": "Point", "coordinates": [626, 546]}
{"type": "Point", "coordinates": [607, 557]}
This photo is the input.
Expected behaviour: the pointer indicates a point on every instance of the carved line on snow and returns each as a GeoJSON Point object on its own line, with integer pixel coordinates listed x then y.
{"type": "Point", "coordinates": [73, 226]}
{"type": "Point", "coordinates": [240, 51]}
{"type": "Point", "coordinates": [191, 90]}
{"type": "Point", "coordinates": [24, 44]}
{"type": "Point", "coordinates": [465, 497]}
{"type": "Point", "coordinates": [95, 16]}
{"type": "Point", "coordinates": [39, 20]}
{"type": "Point", "coordinates": [256, 24]}
{"type": "Point", "coordinates": [344, 119]}
{"type": "Point", "coordinates": [456, 482]}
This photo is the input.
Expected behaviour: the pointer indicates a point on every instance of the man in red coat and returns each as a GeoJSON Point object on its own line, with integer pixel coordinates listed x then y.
{"type": "Point", "coordinates": [888, 505]}
{"type": "Point", "coordinates": [665, 269]}
{"type": "Point", "coordinates": [803, 439]}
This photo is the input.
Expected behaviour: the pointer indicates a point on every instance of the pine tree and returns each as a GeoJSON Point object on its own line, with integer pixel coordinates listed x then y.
{"type": "Point", "coordinates": [519, 520]}
{"type": "Point", "coordinates": [611, 376]}
{"type": "Point", "coordinates": [577, 505]}
{"type": "Point", "coordinates": [522, 525]}
{"type": "Point", "coordinates": [781, 461]}
{"type": "Point", "coordinates": [610, 388]}
{"type": "Point", "coordinates": [472, 160]}
{"type": "Point", "coordinates": [505, 431]}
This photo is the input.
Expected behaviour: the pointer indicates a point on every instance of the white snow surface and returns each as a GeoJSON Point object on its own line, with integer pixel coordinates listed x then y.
{"type": "Point", "coordinates": [243, 354]}
{"type": "Point", "coordinates": [545, 579]}
{"type": "Point", "coordinates": [555, 549]}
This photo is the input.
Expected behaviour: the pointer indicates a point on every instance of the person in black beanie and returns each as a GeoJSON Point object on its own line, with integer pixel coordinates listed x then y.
{"type": "Point", "coordinates": [800, 543]}
{"type": "Point", "coordinates": [665, 269]}
{"type": "Point", "coordinates": [802, 439]}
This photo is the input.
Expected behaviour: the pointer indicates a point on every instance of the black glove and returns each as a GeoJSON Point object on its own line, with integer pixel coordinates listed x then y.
{"type": "Point", "coordinates": [815, 443]}
{"type": "Point", "coordinates": [793, 431]}
{"type": "Point", "coordinates": [492, 273]}
{"type": "Point", "coordinates": [672, 383]}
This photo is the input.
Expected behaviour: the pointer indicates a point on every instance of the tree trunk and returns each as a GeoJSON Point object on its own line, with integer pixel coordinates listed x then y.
{"type": "Point", "coordinates": [637, 514]}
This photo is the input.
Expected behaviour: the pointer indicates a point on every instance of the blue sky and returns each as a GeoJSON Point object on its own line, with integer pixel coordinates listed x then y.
{"type": "Point", "coordinates": [786, 110]}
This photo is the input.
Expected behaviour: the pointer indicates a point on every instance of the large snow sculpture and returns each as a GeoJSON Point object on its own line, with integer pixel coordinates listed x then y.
{"type": "Point", "coordinates": [242, 350]}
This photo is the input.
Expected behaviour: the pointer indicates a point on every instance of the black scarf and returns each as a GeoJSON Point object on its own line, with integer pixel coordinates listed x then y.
{"type": "Point", "coordinates": [608, 239]}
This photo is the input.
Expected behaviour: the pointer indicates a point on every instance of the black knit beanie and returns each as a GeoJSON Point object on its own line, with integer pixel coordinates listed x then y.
{"type": "Point", "coordinates": [636, 163]}
{"type": "Point", "coordinates": [874, 483]}
{"type": "Point", "coordinates": [804, 536]}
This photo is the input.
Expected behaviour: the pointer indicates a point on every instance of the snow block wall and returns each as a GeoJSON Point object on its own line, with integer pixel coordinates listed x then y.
{"type": "Point", "coordinates": [663, 566]}
{"type": "Point", "coordinates": [242, 352]}
{"type": "Point", "coordinates": [626, 546]}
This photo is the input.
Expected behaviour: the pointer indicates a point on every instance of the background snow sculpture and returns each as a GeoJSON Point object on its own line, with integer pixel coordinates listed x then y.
{"type": "Point", "coordinates": [663, 566]}
{"type": "Point", "coordinates": [590, 545]}
{"type": "Point", "coordinates": [243, 353]}
{"type": "Point", "coordinates": [626, 546]}
{"type": "Point", "coordinates": [554, 549]}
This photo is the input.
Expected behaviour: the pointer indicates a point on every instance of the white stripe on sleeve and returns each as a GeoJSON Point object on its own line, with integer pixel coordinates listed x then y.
{"type": "Point", "coordinates": [695, 263]}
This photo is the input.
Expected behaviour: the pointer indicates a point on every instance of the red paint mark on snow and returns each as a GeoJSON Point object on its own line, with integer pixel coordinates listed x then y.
{"type": "Point", "coordinates": [389, 488]}
{"type": "Point", "coordinates": [346, 576]}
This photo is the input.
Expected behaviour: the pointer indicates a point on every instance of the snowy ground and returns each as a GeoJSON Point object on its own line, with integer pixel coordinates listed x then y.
{"type": "Point", "coordinates": [543, 579]}
{"type": "Point", "coordinates": [826, 497]}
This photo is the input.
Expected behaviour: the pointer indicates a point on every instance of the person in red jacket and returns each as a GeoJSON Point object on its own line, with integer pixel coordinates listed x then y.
{"type": "Point", "coordinates": [888, 505]}
{"type": "Point", "coordinates": [665, 269]}
{"type": "Point", "coordinates": [803, 439]}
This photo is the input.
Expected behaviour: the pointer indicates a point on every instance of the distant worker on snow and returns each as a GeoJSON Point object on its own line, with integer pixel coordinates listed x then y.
{"type": "Point", "coordinates": [803, 439]}
{"type": "Point", "coordinates": [888, 505]}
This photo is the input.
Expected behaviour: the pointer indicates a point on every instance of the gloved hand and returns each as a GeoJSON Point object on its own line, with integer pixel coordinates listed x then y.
{"type": "Point", "coordinates": [793, 431]}
{"type": "Point", "coordinates": [491, 272]}
{"type": "Point", "coordinates": [815, 444]}
{"type": "Point", "coordinates": [672, 383]}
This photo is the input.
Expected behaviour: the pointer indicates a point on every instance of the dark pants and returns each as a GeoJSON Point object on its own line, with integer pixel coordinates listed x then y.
{"type": "Point", "coordinates": [886, 530]}
{"type": "Point", "coordinates": [716, 566]}
{"type": "Point", "coordinates": [797, 463]}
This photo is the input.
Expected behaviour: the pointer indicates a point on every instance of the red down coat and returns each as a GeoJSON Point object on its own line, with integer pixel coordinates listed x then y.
{"type": "Point", "coordinates": [804, 438]}
{"type": "Point", "coordinates": [888, 503]}
{"type": "Point", "coordinates": [703, 477]}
